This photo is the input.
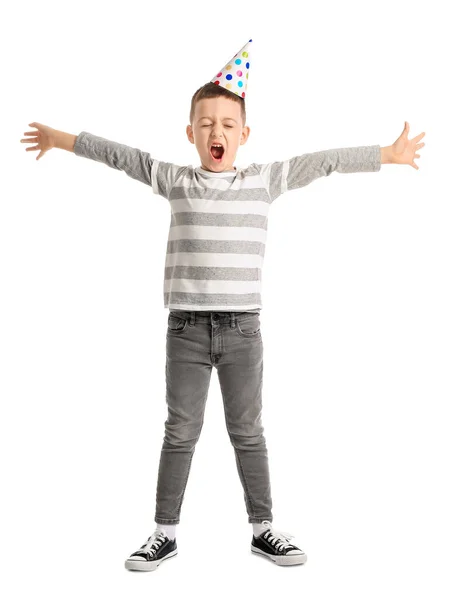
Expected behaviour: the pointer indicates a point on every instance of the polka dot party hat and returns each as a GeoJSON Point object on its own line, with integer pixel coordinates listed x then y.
{"type": "Point", "coordinates": [234, 75]}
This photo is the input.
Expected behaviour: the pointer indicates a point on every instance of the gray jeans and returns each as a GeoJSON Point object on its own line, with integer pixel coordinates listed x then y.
{"type": "Point", "coordinates": [231, 342]}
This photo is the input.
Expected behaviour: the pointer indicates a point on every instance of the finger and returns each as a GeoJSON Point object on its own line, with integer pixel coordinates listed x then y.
{"type": "Point", "coordinates": [29, 140]}
{"type": "Point", "coordinates": [406, 128]}
{"type": "Point", "coordinates": [31, 132]}
{"type": "Point", "coordinates": [39, 155]}
{"type": "Point", "coordinates": [418, 137]}
{"type": "Point", "coordinates": [413, 164]}
{"type": "Point", "coordinates": [417, 156]}
{"type": "Point", "coordinates": [32, 148]}
{"type": "Point", "coordinates": [418, 146]}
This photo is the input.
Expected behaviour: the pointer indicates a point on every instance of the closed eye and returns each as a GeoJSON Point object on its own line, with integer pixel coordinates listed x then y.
{"type": "Point", "coordinates": [229, 126]}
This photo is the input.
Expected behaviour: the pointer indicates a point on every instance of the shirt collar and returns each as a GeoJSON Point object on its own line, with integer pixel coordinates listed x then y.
{"type": "Point", "coordinates": [214, 173]}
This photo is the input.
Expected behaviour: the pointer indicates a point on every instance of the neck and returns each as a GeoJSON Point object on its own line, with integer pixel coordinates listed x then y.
{"type": "Point", "coordinates": [223, 170]}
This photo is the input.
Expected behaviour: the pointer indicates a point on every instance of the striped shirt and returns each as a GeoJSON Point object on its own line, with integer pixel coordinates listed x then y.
{"type": "Point", "coordinates": [218, 227]}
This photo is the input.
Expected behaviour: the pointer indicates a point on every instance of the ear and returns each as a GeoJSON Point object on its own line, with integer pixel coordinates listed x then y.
{"type": "Point", "coordinates": [244, 135]}
{"type": "Point", "coordinates": [190, 134]}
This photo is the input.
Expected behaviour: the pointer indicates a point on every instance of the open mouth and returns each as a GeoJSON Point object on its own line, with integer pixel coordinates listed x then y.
{"type": "Point", "coordinates": [217, 152]}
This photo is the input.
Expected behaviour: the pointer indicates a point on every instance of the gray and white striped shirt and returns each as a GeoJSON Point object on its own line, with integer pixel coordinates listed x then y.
{"type": "Point", "coordinates": [218, 227]}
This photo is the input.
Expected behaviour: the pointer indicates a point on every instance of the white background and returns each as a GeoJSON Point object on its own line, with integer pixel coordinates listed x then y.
{"type": "Point", "coordinates": [358, 348]}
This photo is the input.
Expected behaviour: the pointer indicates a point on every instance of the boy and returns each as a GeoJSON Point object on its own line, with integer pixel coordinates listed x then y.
{"type": "Point", "coordinates": [212, 282]}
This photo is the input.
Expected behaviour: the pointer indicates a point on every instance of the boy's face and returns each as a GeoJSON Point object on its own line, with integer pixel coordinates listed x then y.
{"type": "Point", "coordinates": [217, 120]}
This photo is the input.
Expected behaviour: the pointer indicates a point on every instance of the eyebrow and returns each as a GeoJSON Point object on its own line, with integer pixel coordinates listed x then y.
{"type": "Point", "coordinates": [224, 119]}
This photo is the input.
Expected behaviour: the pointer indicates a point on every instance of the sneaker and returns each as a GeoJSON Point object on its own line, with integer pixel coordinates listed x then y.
{"type": "Point", "coordinates": [157, 548]}
{"type": "Point", "coordinates": [276, 546]}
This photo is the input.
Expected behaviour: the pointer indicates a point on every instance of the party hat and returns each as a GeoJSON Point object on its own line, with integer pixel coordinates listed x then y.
{"type": "Point", "coordinates": [234, 75]}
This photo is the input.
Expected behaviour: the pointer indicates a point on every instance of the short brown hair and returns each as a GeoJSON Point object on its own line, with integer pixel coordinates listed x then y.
{"type": "Point", "coordinates": [213, 90]}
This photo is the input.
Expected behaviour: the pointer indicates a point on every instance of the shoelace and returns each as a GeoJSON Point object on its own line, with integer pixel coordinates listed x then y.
{"type": "Point", "coordinates": [281, 539]}
{"type": "Point", "coordinates": [154, 542]}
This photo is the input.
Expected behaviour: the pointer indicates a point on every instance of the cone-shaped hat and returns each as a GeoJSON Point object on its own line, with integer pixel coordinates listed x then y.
{"type": "Point", "coordinates": [234, 75]}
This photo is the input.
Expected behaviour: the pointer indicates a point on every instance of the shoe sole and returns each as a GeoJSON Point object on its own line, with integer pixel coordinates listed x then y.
{"type": "Point", "coordinates": [147, 565]}
{"type": "Point", "coordinates": [282, 561]}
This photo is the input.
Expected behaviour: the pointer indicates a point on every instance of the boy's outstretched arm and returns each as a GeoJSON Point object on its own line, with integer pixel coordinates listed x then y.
{"type": "Point", "coordinates": [299, 171]}
{"type": "Point", "coordinates": [135, 163]}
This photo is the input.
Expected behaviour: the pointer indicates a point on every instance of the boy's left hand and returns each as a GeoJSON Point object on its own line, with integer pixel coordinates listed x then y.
{"type": "Point", "coordinates": [403, 150]}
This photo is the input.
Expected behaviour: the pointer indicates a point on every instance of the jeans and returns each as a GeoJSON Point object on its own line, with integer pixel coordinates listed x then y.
{"type": "Point", "coordinates": [231, 342]}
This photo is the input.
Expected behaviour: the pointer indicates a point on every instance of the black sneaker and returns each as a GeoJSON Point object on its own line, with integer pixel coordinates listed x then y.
{"type": "Point", "coordinates": [276, 546]}
{"type": "Point", "coordinates": [149, 556]}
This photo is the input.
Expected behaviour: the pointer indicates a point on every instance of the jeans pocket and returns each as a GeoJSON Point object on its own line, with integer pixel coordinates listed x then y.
{"type": "Point", "coordinates": [176, 324]}
{"type": "Point", "coordinates": [248, 326]}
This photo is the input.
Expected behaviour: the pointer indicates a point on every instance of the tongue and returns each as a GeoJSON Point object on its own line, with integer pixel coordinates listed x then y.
{"type": "Point", "coordinates": [217, 152]}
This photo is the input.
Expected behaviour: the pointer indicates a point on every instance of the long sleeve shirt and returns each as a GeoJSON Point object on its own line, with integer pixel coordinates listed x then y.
{"type": "Point", "coordinates": [218, 227]}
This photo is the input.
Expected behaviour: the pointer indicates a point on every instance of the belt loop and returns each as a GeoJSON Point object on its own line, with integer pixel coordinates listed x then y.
{"type": "Point", "coordinates": [192, 318]}
{"type": "Point", "coordinates": [232, 320]}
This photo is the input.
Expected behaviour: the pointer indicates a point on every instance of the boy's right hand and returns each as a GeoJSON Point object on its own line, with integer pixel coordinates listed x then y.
{"type": "Point", "coordinates": [45, 138]}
